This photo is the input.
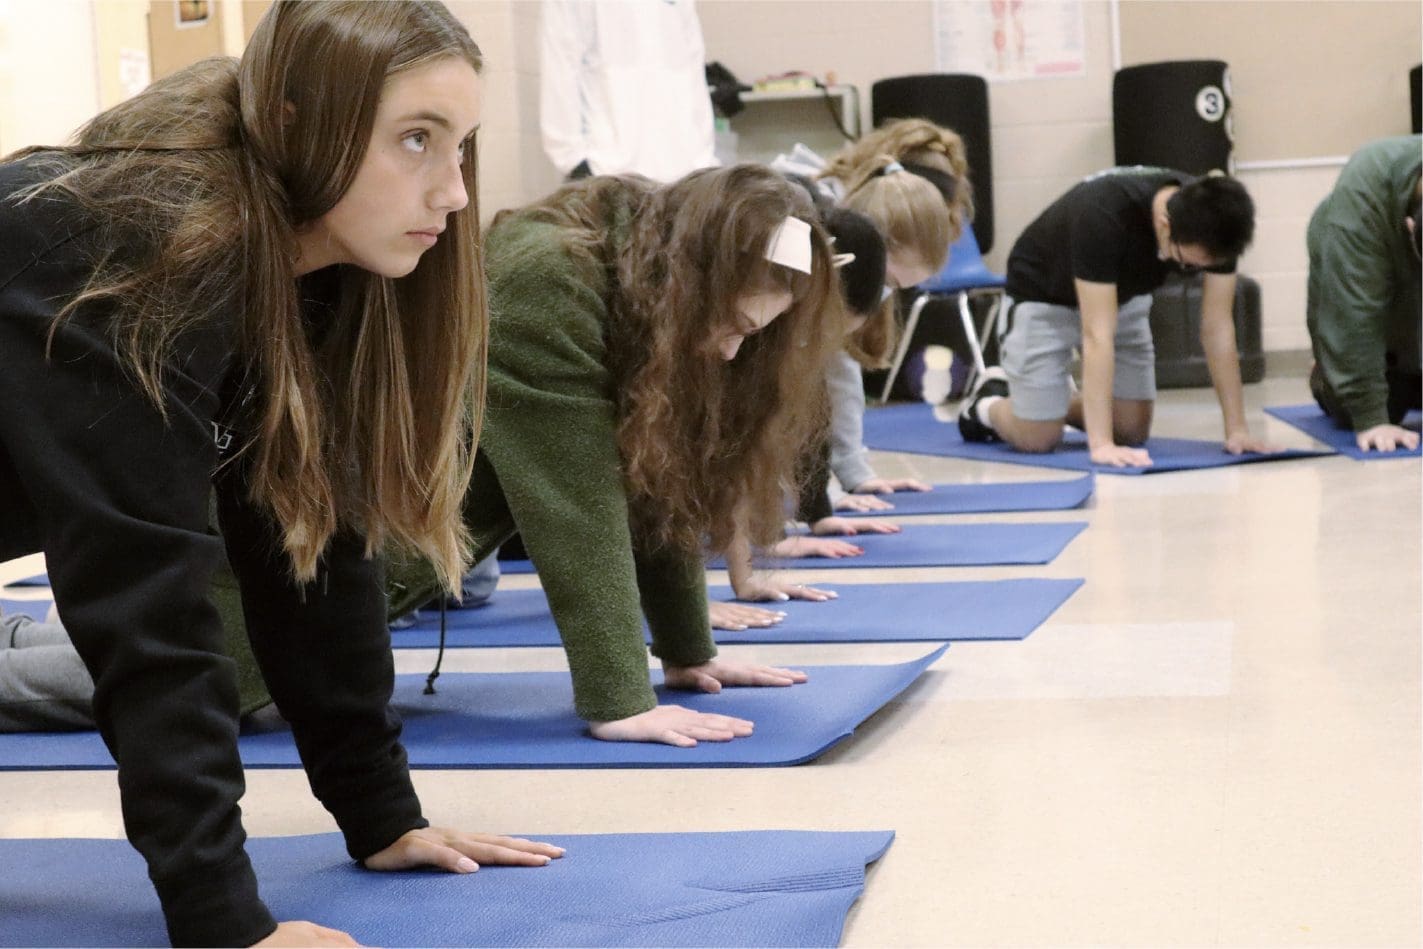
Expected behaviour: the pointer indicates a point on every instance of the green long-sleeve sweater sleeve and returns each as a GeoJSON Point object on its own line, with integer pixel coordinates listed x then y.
{"type": "Point", "coordinates": [550, 450]}
{"type": "Point", "coordinates": [1363, 297]}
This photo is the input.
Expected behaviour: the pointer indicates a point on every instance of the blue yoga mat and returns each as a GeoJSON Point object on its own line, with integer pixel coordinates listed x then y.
{"type": "Point", "coordinates": [863, 612]}
{"type": "Point", "coordinates": [747, 888]}
{"type": "Point", "coordinates": [913, 429]}
{"type": "Point", "coordinates": [34, 609]}
{"type": "Point", "coordinates": [526, 720]}
{"type": "Point", "coordinates": [1313, 422]}
{"type": "Point", "coordinates": [927, 545]}
{"type": "Point", "coordinates": [986, 498]}
{"type": "Point", "coordinates": [946, 545]}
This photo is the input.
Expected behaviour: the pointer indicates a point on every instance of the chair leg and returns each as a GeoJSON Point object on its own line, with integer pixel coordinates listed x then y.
{"type": "Point", "coordinates": [902, 350]}
{"type": "Point", "coordinates": [971, 334]}
{"type": "Point", "coordinates": [976, 335]}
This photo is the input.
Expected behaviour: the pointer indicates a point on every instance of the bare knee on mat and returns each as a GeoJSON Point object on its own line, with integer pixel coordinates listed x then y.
{"type": "Point", "coordinates": [1035, 438]}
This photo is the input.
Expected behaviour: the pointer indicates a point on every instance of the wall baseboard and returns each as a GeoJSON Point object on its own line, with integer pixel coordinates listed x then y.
{"type": "Point", "coordinates": [1288, 363]}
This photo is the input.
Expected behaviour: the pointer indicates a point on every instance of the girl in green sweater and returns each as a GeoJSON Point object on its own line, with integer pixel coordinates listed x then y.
{"type": "Point", "coordinates": [656, 363]}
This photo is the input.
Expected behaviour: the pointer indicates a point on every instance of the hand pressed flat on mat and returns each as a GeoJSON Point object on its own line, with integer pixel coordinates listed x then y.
{"type": "Point", "coordinates": [992, 498]}
{"type": "Point", "coordinates": [526, 720]}
{"type": "Point", "coordinates": [913, 429]}
{"type": "Point", "coordinates": [946, 545]}
{"type": "Point", "coordinates": [747, 888]}
{"type": "Point", "coordinates": [862, 612]}
{"type": "Point", "coordinates": [1311, 420]}
{"type": "Point", "coordinates": [927, 545]}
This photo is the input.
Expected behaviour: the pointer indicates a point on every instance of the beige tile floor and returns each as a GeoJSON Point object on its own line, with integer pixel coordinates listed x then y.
{"type": "Point", "coordinates": [1216, 742]}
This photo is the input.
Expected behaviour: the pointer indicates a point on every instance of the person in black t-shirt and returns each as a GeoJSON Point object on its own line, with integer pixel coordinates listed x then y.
{"type": "Point", "coordinates": [1081, 275]}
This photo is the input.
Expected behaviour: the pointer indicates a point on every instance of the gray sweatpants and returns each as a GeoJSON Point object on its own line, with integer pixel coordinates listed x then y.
{"type": "Point", "coordinates": [44, 685]}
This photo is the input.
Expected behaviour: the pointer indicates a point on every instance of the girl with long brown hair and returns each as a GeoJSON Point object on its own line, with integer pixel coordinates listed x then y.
{"type": "Point", "coordinates": [656, 366]}
{"type": "Point", "coordinates": [910, 178]}
{"type": "Point", "coordinates": [259, 280]}
{"type": "Point", "coordinates": [860, 260]}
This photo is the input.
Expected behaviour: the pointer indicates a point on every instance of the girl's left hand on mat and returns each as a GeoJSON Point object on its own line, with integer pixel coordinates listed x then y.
{"type": "Point", "coordinates": [862, 503]}
{"type": "Point", "coordinates": [890, 485]}
{"type": "Point", "coordinates": [711, 676]}
{"type": "Point", "coordinates": [1240, 443]}
{"type": "Point", "coordinates": [801, 546]}
{"type": "Point", "coordinates": [672, 725]}
{"type": "Point", "coordinates": [459, 851]}
{"type": "Point", "coordinates": [739, 616]}
{"type": "Point", "coordinates": [780, 591]}
{"type": "Point", "coordinates": [849, 527]}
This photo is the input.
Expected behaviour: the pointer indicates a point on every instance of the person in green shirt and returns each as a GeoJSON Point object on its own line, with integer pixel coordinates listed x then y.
{"type": "Point", "coordinates": [1363, 300]}
{"type": "Point", "coordinates": [656, 366]}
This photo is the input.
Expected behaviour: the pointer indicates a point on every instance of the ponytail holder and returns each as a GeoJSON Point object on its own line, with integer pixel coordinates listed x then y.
{"type": "Point", "coordinates": [790, 245]}
{"type": "Point", "coordinates": [891, 168]}
{"type": "Point", "coordinates": [946, 184]}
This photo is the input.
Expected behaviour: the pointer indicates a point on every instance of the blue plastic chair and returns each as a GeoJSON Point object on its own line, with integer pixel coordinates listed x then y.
{"type": "Point", "coordinates": [965, 276]}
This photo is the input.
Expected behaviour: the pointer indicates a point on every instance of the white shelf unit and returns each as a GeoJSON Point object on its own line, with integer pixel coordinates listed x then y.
{"type": "Point", "coordinates": [773, 122]}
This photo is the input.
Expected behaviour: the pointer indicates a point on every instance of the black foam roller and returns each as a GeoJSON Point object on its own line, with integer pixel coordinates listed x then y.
{"type": "Point", "coordinates": [1415, 96]}
{"type": "Point", "coordinates": [1173, 114]}
{"type": "Point", "coordinates": [957, 101]}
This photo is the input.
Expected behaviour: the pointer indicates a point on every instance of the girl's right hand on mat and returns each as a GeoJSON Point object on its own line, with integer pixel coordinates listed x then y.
{"type": "Point", "coordinates": [1386, 438]}
{"type": "Point", "coordinates": [302, 933]}
{"type": "Point", "coordinates": [672, 725]}
{"type": "Point", "coordinates": [1120, 456]}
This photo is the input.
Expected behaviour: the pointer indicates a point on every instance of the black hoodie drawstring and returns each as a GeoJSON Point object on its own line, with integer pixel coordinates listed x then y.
{"type": "Point", "coordinates": [439, 656]}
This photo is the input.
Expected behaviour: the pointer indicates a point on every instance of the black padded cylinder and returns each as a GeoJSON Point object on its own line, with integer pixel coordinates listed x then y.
{"type": "Point", "coordinates": [1415, 96]}
{"type": "Point", "coordinates": [956, 101]}
{"type": "Point", "coordinates": [1173, 114]}
{"type": "Point", "coordinates": [1176, 332]}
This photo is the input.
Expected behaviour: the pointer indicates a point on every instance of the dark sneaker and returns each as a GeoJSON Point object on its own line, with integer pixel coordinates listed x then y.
{"type": "Point", "coordinates": [992, 382]}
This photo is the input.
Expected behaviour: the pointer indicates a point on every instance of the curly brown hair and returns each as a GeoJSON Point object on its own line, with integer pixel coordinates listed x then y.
{"type": "Point", "coordinates": [705, 441]}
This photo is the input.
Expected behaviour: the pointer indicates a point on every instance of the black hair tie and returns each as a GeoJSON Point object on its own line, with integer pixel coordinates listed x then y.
{"type": "Point", "coordinates": [946, 183]}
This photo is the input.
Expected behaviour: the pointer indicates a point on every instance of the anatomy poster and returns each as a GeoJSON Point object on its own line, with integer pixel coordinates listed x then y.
{"type": "Point", "coordinates": [1010, 39]}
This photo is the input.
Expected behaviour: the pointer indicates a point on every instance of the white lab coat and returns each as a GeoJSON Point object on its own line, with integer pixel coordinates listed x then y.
{"type": "Point", "coordinates": [624, 87]}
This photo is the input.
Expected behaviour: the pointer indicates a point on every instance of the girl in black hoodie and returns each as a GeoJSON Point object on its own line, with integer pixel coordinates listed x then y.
{"type": "Point", "coordinates": [259, 282]}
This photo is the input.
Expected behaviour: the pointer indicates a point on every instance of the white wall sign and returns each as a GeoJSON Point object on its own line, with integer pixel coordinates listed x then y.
{"type": "Point", "coordinates": [134, 71]}
{"type": "Point", "coordinates": [1010, 39]}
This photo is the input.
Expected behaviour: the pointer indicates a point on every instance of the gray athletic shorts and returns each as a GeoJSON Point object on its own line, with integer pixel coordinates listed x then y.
{"type": "Point", "coordinates": [1037, 355]}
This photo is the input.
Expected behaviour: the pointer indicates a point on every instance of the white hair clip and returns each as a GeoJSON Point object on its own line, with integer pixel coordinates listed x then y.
{"type": "Point", "coordinates": [840, 260]}
{"type": "Point", "coordinates": [790, 245]}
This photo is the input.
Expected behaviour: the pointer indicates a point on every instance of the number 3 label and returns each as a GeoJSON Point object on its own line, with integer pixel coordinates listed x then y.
{"type": "Point", "coordinates": [1210, 103]}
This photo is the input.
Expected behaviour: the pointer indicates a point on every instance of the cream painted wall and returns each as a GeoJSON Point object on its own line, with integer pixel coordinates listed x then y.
{"type": "Point", "coordinates": [122, 30]}
{"type": "Point", "coordinates": [512, 166]}
{"type": "Point", "coordinates": [39, 103]}
{"type": "Point", "coordinates": [491, 23]}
